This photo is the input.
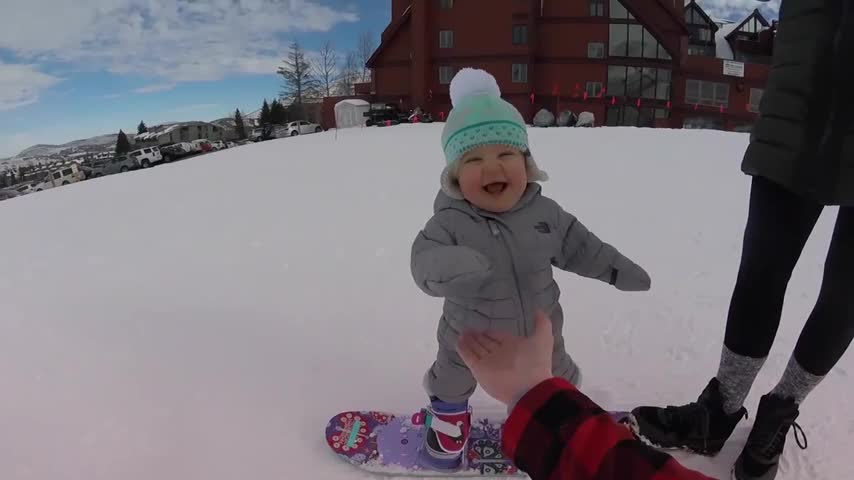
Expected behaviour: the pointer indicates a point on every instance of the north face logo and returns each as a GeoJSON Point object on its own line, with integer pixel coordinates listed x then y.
{"type": "Point", "coordinates": [542, 227]}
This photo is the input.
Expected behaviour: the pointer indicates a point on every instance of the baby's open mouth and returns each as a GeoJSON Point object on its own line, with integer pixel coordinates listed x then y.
{"type": "Point", "coordinates": [495, 187]}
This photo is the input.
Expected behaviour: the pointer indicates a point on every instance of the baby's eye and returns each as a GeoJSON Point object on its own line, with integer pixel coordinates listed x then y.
{"type": "Point", "coordinates": [474, 159]}
{"type": "Point", "coordinates": [506, 154]}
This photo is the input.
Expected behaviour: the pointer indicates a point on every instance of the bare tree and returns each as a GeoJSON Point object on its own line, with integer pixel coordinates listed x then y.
{"type": "Point", "coordinates": [364, 50]}
{"type": "Point", "coordinates": [327, 66]}
{"type": "Point", "coordinates": [350, 74]}
{"type": "Point", "coordinates": [299, 81]}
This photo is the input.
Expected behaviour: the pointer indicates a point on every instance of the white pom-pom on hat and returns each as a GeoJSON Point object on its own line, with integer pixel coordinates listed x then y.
{"type": "Point", "coordinates": [471, 81]}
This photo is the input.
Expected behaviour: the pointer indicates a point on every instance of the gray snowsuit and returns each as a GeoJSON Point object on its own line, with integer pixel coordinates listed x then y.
{"type": "Point", "coordinates": [495, 271]}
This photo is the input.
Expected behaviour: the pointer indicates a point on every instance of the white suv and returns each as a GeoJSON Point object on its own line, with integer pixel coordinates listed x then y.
{"type": "Point", "coordinates": [61, 176]}
{"type": "Point", "coordinates": [147, 156]}
{"type": "Point", "coordinates": [302, 127]}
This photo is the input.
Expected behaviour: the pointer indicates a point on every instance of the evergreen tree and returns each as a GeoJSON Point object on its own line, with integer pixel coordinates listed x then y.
{"type": "Point", "coordinates": [278, 114]}
{"type": "Point", "coordinates": [299, 81]}
{"type": "Point", "coordinates": [240, 128]}
{"type": "Point", "coordinates": [122, 143]}
{"type": "Point", "coordinates": [141, 128]}
{"type": "Point", "coordinates": [265, 113]}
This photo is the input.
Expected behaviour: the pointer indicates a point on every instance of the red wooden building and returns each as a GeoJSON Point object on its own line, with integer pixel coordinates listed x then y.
{"type": "Point", "coordinates": [629, 62]}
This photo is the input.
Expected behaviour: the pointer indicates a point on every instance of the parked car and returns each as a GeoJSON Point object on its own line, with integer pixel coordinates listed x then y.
{"type": "Point", "coordinates": [116, 164]}
{"type": "Point", "coordinates": [177, 150]}
{"type": "Point", "coordinates": [302, 127]}
{"type": "Point", "coordinates": [382, 114]}
{"type": "Point", "coordinates": [267, 132]}
{"type": "Point", "coordinates": [61, 176]}
{"type": "Point", "coordinates": [148, 156]}
{"type": "Point", "coordinates": [8, 193]}
{"type": "Point", "coordinates": [230, 144]}
{"type": "Point", "coordinates": [23, 189]}
{"type": "Point", "coordinates": [218, 145]}
{"type": "Point", "coordinates": [202, 145]}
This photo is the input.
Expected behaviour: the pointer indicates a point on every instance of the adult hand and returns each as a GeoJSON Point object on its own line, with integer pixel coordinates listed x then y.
{"type": "Point", "coordinates": [507, 366]}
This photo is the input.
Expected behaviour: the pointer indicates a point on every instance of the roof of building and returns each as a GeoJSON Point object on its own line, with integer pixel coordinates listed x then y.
{"type": "Point", "coordinates": [722, 45]}
{"type": "Point", "coordinates": [390, 32]}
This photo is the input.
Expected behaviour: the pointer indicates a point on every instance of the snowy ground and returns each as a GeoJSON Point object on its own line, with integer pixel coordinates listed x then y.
{"type": "Point", "coordinates": [202, 320]}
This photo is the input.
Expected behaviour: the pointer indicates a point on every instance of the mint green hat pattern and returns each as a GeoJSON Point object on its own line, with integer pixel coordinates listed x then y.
{"type": "Point", "coordinates": [481, 117]}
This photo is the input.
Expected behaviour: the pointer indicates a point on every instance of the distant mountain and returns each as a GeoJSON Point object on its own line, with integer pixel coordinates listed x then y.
{"type": "Point", "coordinates": [96, 144]}
{"type": "Point", "coordinates": [84, 144]}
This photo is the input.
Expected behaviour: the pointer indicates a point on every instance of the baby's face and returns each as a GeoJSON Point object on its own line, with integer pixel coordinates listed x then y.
{"type": "Point", "coordinates": [493, 177]}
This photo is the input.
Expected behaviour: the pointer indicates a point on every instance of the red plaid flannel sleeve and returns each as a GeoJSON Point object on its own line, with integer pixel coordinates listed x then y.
{"type": "Point", "coordinates": [556, 433]}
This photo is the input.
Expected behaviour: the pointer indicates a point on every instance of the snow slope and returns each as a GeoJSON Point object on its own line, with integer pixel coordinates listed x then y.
{"type": "Point", "coordinates": [203, 319]}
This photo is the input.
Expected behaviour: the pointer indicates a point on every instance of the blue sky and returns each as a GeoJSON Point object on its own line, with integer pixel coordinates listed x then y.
{"type": "Point", "coordinates": [102, 65]}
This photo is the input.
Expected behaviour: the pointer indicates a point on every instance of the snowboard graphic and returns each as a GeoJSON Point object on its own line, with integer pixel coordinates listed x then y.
{"type": "Point", "coordinates": [390, 444]}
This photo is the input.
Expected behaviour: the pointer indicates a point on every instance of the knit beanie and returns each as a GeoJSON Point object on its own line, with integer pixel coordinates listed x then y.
{"type": "Point", "coordinates": [479, 116]}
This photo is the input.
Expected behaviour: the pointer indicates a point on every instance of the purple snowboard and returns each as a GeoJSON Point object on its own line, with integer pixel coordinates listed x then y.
{"type": "Point", "coordinates": [390, 444]}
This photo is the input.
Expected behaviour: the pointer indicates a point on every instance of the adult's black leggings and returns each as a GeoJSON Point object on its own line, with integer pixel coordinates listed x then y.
{"type": "Point", "coordinates": [778, 226]}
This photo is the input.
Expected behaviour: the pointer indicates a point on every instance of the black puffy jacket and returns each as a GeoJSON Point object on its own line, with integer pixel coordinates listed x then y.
{"type": "Point", "coordinates": [804, 137]}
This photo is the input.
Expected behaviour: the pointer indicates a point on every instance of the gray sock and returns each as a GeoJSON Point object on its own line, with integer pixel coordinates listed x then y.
{"type": "Point", "coordinates": [796, 383]}
{"type": "Point", "coordinates": [736, 374]}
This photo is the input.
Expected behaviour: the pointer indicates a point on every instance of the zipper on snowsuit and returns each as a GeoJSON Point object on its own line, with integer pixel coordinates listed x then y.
{"type": "Point", "coordinates": [496, 232]}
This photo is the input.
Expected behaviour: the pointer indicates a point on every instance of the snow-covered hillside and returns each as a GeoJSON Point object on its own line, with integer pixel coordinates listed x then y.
{"type": "Point", "coordinates": [202, 320]}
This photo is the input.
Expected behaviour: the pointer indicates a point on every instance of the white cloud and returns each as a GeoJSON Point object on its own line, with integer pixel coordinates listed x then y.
{"type": "Point", "coordinates": [157, 87]}
{"type": "Point", "coordinates": [737, 10]}
{"type": "Point", "coordinates": [168, 40]}
{"type": "Point", "coordinates": [21, 85]}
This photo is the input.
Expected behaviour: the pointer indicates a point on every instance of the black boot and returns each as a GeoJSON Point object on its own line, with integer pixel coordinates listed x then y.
{"type": "Point", "coordinates": [761, 455]}
{"type": "Point", "coordinates": [702, 426]}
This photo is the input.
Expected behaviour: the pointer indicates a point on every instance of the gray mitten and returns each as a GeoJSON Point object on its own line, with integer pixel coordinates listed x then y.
{"type": "Point", "coordinates": [452, 270]}
{"type": "Point", "coordinates": [628, 276]}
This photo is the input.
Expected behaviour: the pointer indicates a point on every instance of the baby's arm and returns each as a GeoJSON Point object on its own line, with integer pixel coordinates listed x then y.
{"type": "Point", "coordinates": [441, 268]}
{"type": "Point", "coordinates": [584, 253]}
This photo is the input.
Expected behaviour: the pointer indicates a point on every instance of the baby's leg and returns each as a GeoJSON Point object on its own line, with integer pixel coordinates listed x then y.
{"type": "Point", "coordinates": [449, 379]}
{"type": "Point", "coordinates": [562, 364]}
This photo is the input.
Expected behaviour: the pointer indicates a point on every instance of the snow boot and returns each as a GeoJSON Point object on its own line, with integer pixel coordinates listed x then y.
{"type": "Point", "coordinates": [701, 427]}
{"type": "Point", "coordinates": [448, 428]}
{"type": "Point", "coordinates": [761, 455]}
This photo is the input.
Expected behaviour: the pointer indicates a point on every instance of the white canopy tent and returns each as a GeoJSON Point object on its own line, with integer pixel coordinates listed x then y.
{"type": "Point", "coordinates": [350, 113]}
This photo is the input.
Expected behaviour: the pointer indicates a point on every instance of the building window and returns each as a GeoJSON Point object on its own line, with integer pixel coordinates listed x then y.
{"type": "Point", "coordinates": [702, 50]}
{"type": "Point", "coordinates": [618, 38]}
{"type": "Point", "coordinates": [633, 82]}
{"type": "Point", "coordinates": [446, 4]}
{"type": "Point", "coordinates": [446, 39]}
{"type": "Point", "coordinates": [755, 98]}
{"type": "Point", "coordinates": [520, 73]}
{"type": "Point", "coordinates": [639, 82]}
{"type": "Point", "coordinates": [597, 8]}
{"type": "Point", "coordinates": [617, 10]}
{"type": "Point", "coordinates": [520, 34]}
{"type": "Point", "coordinates": [635, 41]}
{"type": "Point", "coordinates": [594, 89]}
{"type": "Point", "coordinates": [662, 84]}
{"type": "Point", "coordinates": [649, 48]}
{"type": "Point", "coordinates": [703, 122]}
{"type": "Point", "coordinates": [701, 92]}
{"type": "Point", "coordinates": [596, 50]}
{"type": "Point", "coordinates": [631, 116]}
{"type": "Point", "coordinates": [446, 74]}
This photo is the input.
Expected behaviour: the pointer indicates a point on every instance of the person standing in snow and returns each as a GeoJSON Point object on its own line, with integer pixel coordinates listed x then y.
{"type": "Point", "coordinates": [489, 250]}
{"type": "Point", "coordinates": [580, 440]}
{"type": "Point", "coordinates": [801, 158]}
